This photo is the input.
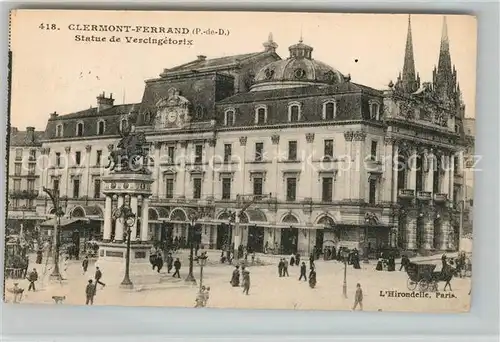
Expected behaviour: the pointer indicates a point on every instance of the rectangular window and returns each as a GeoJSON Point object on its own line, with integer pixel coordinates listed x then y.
{"type": "Point", "coordinates": [19, 153]}
{"type": "Point", "coordinates": [76, 188]}
{"type": "Point", "coordinates": [227, 152]}
{"type": "Point", "coordinates": [197, 188]}
{"type": "Point", "coordinates": [374, 150]}
{"type": "Point", "coordinates": [31, 169]}
{"type": "Point", "coordinates": [171, 154]}
{"type": "Point", "coordinates": [32, 155]}
{"type": "Point", "coordinates": [257, 186]}
{"type": "Point", "coordinates": [78, 157]}
{"type": "Point", "coordinates": [329, 149]}
{"type": "Point", "coordinates": [17, 184]}
{"type": "Point", "coordinates": [198, 153]}
{"type": "Point", "coordinates": [29, 202]}
{"type": "Point", "coordinates": [97, 188]}
{"type": "Point", "coordinates": [58, 159]}
{"type": "Point", "coordinates": [372, 191]}
{"type": "Point", "coordinates": [327, 191]}
{"type": "Point", "coordinates": [291, 189]}
{"type": "Point", "coordinates": [292, 150]}
{"type": "Point", "coordinates": [226, 188]}
{"type": "Point", "coordinates": [259, 151]}
{"type": "Point", "coordinates": [261, 115]}
{"type": "Point", "coordinates": [170, 188]}
{"type": "Point", "coordinates": [294, 113]}
{"type": "Point", "coordinates": [456, 166]}
{"type": "Point", "coordinates": [98, 157]}
{"type": "Point", "coordinates": [435, 182]}
{"type": "Point", "coordinates": [17, 169]}
{"type": "Point", "coordinates": [31, 185]}
{"type": "Point", "coordinates": [55, 185]}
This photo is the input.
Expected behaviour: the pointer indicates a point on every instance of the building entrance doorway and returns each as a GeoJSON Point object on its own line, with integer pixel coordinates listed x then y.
{"type": "Point", "coordinates": [289, 239]}
{"type": "Point", "coordinates": [319, 239]}
{"type": "Point", "coordinates": [224, 236]}
{"type": "Point", "coordinates": [255, 239]}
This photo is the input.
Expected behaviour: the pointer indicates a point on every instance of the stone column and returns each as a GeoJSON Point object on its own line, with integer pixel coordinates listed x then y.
{"type": "Point", "coordinates": [357, 172]}
{"type": "Point", "coordinates": [452, 177]}
{"type": "Point", "coordinates": [387, 169]}
{"type": "Point", "coordinates": [411, 231]}
{"type": "Point", "coordinates": [119, 222]}
{"type": "Point", "coordinates": [134, 207]}
{"type": "Point", "coordinates": [348, 136]}
{"type": "Point", "coordinates": [394, 164]}
{"type": "Point", "coordinates": [308, 165]}
{"type": "Point", "coordinates": [145, 219]}
{"type": "Point", "coordinates": [428, 232]}
{"type": "Point", "coordinates": [107, 219]}
{"type": "Point", "coordinates": [445, 184]}
{"type": "Point", "coordinates": [275, 139]}
{"type": "Point", "coordinates": [445, 233]}
{"type": "Point", "coordinates": [157, 175]}
{"type": "Point", "coordinates": [182, 168]}
{"type": "Point", "coordinates": [88, 185]}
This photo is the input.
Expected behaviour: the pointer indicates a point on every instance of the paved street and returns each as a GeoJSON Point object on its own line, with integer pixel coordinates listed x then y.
{"type": "Point", "coordinates": [268, 291]}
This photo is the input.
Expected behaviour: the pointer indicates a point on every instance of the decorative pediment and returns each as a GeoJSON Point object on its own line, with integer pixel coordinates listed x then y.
{"type": "Point", "coordinates": [172, 111]}
{"type": "Point", "coordinates": [291, 174]}
{"type": "Point", "coordinates": [170, 173]}
{"type": "Point", "coordinates": [327, 173]}
{"type": "Point", "coordinates": [226, 174]}
{"type": "Point", "coordinates": [258, 174]}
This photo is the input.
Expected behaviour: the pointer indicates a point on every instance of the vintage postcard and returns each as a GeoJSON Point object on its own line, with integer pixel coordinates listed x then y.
{"type": "Point", "coordinates": [308, 161]}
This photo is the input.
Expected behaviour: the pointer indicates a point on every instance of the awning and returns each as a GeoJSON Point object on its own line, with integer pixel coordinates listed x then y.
{"type": "Point", "coordinates": [92, 212]}
{"type": "Point", "coordinates": [64, 221]}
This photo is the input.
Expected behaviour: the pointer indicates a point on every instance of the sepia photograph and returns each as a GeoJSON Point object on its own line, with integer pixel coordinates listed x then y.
{"type": "Point", "coordinates": [244, 160]}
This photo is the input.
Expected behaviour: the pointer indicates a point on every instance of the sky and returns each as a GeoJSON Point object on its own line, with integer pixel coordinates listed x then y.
{"type": "Point", "coordinates": [53, 72]}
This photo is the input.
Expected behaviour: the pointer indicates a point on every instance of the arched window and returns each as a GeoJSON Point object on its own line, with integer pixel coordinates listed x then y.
{"type": "Point", "coordinates": [229, 117]}
{"type": "Point", "coordinates": [294, 112]}
{"type": "Point", "coordinates": [100, 127]}
{"type": "Point", "coordinates": [59, 130]}
{"type": "Point", "coordinates": [329, 110]}
{"type": "Point", "coordinates": [261, 115]}
{"type": "Point", "coordinates": [79, 129]}
{"type": "Point", "coordinates": [374, 110]}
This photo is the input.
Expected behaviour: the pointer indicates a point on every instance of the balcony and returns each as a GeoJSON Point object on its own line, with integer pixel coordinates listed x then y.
{"type": "Point", "coordinates": [424, 195]}
{"type": "Point", "coordinates": [27, 194]}
{"type": "Point", "coordinates": [406, 193]}
{"type": "Point", "coordinates": [440, 198]}
{"type": "Point", "coordinates": [373, 166]}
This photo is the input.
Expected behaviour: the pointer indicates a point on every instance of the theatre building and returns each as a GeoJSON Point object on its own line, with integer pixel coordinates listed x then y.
{"type": "Point", "coordinates": [291, 149]}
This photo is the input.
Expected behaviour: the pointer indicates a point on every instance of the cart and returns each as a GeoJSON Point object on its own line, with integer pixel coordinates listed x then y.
{"type": "Point", "coordinates": [422, 276]}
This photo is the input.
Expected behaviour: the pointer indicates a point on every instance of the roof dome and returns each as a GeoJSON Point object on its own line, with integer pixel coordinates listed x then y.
{"type": "Point", "coordinates": [296, 71]}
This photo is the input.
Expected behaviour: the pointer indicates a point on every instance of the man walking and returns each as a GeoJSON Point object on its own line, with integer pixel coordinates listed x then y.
{"type": "Point", "coordinates": [303, 271]}
{"type": "Point", "coordinates": [280, 268]}
{"type": "Point", "coordinates": [285, 267]}
{"type": "Point", "coordinates": [33, 276]}
{"type": "Point", "coordinates": [177, 266]}
{"type": "Point", "coordinates": [358, 298]}
{"type": "Point", "coordinates": [90, 293]}
{"type": "Point", "coordinates": [98, 276]}
{"type": "Point", "coordinates": [170, 262]}
{"type": "Point", "coordinates": [246, 281]}
{"type": "Point", "coordinates": [85, 264]}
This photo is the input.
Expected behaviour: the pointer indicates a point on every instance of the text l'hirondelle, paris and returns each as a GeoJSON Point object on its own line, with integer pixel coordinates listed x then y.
{"type": "Point", "coordinates": [416, 294]}
{"type": "Point", "coordinates": [128, 29]}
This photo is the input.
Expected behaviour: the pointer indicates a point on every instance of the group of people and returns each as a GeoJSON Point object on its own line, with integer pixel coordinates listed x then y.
{"type": "Point", "coordinates": [388, 263]}
{"type": "Point", "coordinates": [235, 278]}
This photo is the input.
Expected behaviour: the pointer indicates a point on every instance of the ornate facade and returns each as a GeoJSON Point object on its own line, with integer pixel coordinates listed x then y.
{"type": "Point", "coordinates": [304, 156]}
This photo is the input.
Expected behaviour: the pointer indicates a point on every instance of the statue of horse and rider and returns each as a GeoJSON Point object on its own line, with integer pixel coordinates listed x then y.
{"type": "Point", "coordinates": [129, 154]}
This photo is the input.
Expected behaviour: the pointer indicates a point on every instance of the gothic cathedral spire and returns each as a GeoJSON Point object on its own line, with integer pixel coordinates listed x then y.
{"type": "Point", "coordinates": [445, 77]}
{"type": "Point", "coordinates": [409, 81]}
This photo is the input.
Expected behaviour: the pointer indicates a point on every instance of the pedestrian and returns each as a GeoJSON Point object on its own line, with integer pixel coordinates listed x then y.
{"type": "Point", "coordinates": [311, 260]}
{"type": "Point", "coordinates": [98, 276]}
{"type": "Point", "coordinates": [358, 298]}
{"type": "Point", "coordinates": [170, 262]}
{"type": "Point", "coordinates": [253, 257]}
{"type": "Point", "coordinates": [285, 267]}
{"type": "Point", "coordinates": [297, 259]}
{"type": "Point", "coordinates": [85, 264]}
{"type": "Point", "coordinates": [33, 276]}
{"type": "Point", "coordinates": [207, 296]}
{"type": "Point", "coordinates": [292, 260]}
{"type": "Point", "coordinates": [39, 255]}
{"type": "Point", "coordinates": [280, 268]}
{"type": "Point", "coordinates": [159, 261]}
{"type": "Point", "coordinates": [303, 271]}
{"type": "Point", "coordinates": [246, 281]}
{"type": "Point", "coordinates": [177, 266]}
{"type": "Point", "coordinates": [235, 279]}
{"type": "Point", "coordinates": [90, 292]}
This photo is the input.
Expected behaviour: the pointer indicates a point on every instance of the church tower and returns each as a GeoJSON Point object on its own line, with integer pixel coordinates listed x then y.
{"type": "Point", "coordinates": [408, 82]}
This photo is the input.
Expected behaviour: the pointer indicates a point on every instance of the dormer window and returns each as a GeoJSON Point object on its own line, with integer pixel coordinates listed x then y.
{"type": "Point", "coordinates": [100, 127]}
{"type": "Point", "coordinates": [329, 110]}
{"type": "Point", "coordinates": [147, 118]}
{"type": "Point", "coordinates": [294, 112]}
{"type": "Point", "coordinates": [79, 129]}
{"type": "Point", "coordinates": [374, 110]}
{"type": "Point", "coordinates": [59, 130]}
{"type": "Point", "coordinates": [229, 117]}
{"type": "Point", "coordinates": [260, 114]}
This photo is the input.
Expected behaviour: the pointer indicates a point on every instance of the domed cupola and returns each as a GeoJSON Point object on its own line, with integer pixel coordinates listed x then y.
{"type": "Point", "coordinates": [298, 70]}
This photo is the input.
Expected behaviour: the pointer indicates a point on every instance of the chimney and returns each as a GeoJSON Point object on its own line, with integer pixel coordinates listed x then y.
{"type": "Point", "coordinates": [104, 102]}
{"type": "Point", "coordinates": [13, 130]}
{"type": "Point", "coordinates": [30, 134]}
{"type": "Point", "coordinates": [53, 115]}
{"type": "Point", "coordinates": [201, 58]}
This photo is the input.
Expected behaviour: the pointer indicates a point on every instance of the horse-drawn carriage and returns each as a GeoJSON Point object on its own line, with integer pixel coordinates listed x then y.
{"type": "Point", "coordinates": [16, 260]}
{"type": "Point", "coordinates": [423, 277]}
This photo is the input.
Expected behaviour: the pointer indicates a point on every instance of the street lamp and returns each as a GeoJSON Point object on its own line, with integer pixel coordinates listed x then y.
{"type": "Point", "coordinates": [194, 217]}
{"type": "Point", "coordinates": [54, 197]}
{"type": "Point", "coordinates": [345, 255]}
{"type": "Point", "coordinates": [203, 261]}
{"type": "Point", "coordinates": [128, 217]}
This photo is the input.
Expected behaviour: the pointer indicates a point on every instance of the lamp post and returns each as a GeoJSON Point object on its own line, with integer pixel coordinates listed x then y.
{"type": "Point", "coordinates": [125, 213]}
{"type": "Point", "coordinates": [194, 217]}
{"type": "Point", "coordinates": [203, 260]}
{"type": "Point", "coordinates": [344, 285]}
{"type": "Point", "coordinates": [54, 197]}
